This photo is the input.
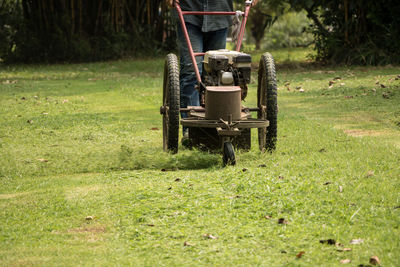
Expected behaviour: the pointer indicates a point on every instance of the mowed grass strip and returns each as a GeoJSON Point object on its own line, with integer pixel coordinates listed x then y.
{"type": "Point", "coordinates": [84, 179]}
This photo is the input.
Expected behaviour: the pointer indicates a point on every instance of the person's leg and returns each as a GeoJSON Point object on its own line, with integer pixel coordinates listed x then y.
{"type": "Point", "coordinates": [215, 40]}
{"type": "Point", "coordinates": [188, 94]}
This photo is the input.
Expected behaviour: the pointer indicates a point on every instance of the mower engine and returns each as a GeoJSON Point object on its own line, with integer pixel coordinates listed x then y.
{"type": "Point", "coordinates": [227, 68]}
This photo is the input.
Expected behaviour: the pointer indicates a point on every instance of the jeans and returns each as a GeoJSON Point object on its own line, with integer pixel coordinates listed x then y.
{"type": "Point", "coordinates": [201, 42]}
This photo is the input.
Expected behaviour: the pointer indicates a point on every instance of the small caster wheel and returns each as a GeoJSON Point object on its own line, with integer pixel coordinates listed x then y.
{"type": "Point", "coordinates": [229, 154]}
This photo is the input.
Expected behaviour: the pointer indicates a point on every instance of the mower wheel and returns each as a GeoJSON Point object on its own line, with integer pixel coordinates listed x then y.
{"type": "Point", "coordinates": [267, 102]}
{"type": "Point", "coordinates": [228, 154]}
{"type": "Point", "coordinates": [171, 104]}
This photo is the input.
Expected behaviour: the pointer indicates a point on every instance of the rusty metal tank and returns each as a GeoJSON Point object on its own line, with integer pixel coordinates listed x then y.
{"type": "Point", "coordinates": [222, 101]}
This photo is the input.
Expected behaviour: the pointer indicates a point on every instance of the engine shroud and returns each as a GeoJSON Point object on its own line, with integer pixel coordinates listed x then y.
{"type": "Point", "coordinates": [227, 68]}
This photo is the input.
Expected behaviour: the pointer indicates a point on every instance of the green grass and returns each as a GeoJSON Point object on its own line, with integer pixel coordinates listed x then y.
{"type": "Point", "coordinates": [85, 140]}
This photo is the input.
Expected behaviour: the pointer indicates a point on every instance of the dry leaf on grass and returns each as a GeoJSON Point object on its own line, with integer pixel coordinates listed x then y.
{"type": "Point", "coordinates": [187, 244]}
{"type": "Point", "coordinates": [356, 241]}
{"type": "Point", "coordinates": [369, 174]}
{"type": "Point", "coordinates": [267, 217]}
{"type": "Point", "coordinates": [89, 218]}
{"type": "Point", "coordinates": [328, 241]}
{"type": "Point", "coordinates": [374, 260]}
{"type": "Point", "coordinates": [154, 129]}
{"type": "Point", "coordinates": [345, 261]}
{"type": "Point", "coordinates": [282, 221]}
{"type": "Point", "coordinates": [344, 249]}
{"type": "Point", "coordinates": [210, 236]}
{"type": "Point", "coordinates": [300, 254]}
{"type": "Point", "coordinates": [42, 160]}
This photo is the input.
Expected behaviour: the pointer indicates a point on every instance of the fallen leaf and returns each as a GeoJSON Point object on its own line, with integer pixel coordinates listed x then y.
{"type": "Point", "coordinates": [281, 177]}
{"type": "Point", "coordinates": [340, 189]}
{"type": "Point", "coordinates": [322, 150]}
{"type": "Point", "coordinates": [374, 260]}
{"type": "Point", "coordinates": [300, 254]}
{"type": "Point", "coordinates": [326, 183]}
{"type": "Point", "coordinates": [210, 236]}
{"type": "Point", "coordinates": [348, 96]}
{"type": "Point", "coordinates": [301, 90]}
{"type": "Point", "coordinates": [342, 84]}
{"type": "Point", "coordinates": [283, 251]}
{"type": "Point", "coordinates": [345, 261]}
{"type": "Point", "coordinates": [23, 98]}
{"type": "Point", "coordinates": [262, 165]}
{"type": "Point", "coordinates": [244, 169]}
{"type": "Point", "coordinates": [328, 241]}
{"type": "Point", "coordinates": [298, 87]}
{"type": "Point", "coordinates": [267, 217]}
{"type": "Point", "coordinates": [29, 121]}
{"type": "Point", "coordinates": [382, 85]}
{"type": "Point", "coordinates": [65, 101]}
{"type": "Point", "coordinates": [150, 224]}
{"type": "Point", "coordinates": [89, 218]}
{"type": "Point", "coordinates": [42, 160]}
{"type": "Point", "coordinates": [187, 244]}
{"type": "Point", "coordinates": [356, 241]}
{"type": "Point", "coordinates": [369, 174]}
{"type": "Point", "coordinates": [331, 83]}
{"type": "Point", "coordinates": [344, 249]}
{"type": "Point", "coordinates": [177, 179]}
{"type": "Point", "coordinates": [45, 113]}
{"type": "Point", "coordinates": [154, 129]}
{"type": "Point", "coordinates": [287, 83]}
{"type": "Point", "coordinates": [282, 221]}
{"type": "Point", "coordinates": [337, 78]}
{"type": "Point", "coordinates": [385, 95]}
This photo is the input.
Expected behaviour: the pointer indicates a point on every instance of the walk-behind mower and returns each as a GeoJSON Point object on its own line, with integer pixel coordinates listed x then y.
{"type": "Point", "coordinates": [221, 121]}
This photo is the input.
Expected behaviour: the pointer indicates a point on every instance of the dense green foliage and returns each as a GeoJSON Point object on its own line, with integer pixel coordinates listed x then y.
{"type": "Point", "coordinates": [76, 30]}
{"type": "Point", "coordinates": [361, 32]}
{"type": "Point", "coordinates": [289, 31]}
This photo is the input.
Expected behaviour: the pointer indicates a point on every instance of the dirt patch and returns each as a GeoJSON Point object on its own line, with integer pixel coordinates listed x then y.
{"type": "Point", "coordinates": [80, 192]}
{"type": "Point", "coordinates": [9, 196]}
{"type": "Point", "coordinates": [361, 133]}
{"type": "Point", "coordinates": [89, 229]}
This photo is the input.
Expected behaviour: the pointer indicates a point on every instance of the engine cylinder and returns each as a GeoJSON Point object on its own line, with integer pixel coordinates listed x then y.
{"type": "Point", "coordinates": [222, 101]}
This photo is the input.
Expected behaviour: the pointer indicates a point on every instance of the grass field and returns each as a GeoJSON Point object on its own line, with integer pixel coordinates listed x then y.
{"type": "Point", "coordinates": [84, 181]}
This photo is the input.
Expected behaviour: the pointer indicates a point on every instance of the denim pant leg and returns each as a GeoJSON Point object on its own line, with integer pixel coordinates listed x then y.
{"type": "Point", "coordinates": [215, 40]}
{"type": "Point", "coordinates": [188, 94]}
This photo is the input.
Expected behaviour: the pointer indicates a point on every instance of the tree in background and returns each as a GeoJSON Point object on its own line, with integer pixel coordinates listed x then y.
{"type": "Point", "coordinates": [263, 16]}
{"type": "Point", "coordinates": [70, 30]}
{"type": "Point", "coordinates": [359, 31]}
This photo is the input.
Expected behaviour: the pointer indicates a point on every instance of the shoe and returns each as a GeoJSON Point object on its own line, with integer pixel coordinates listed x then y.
{"type": "Point", "coordinates": [185, 139]}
